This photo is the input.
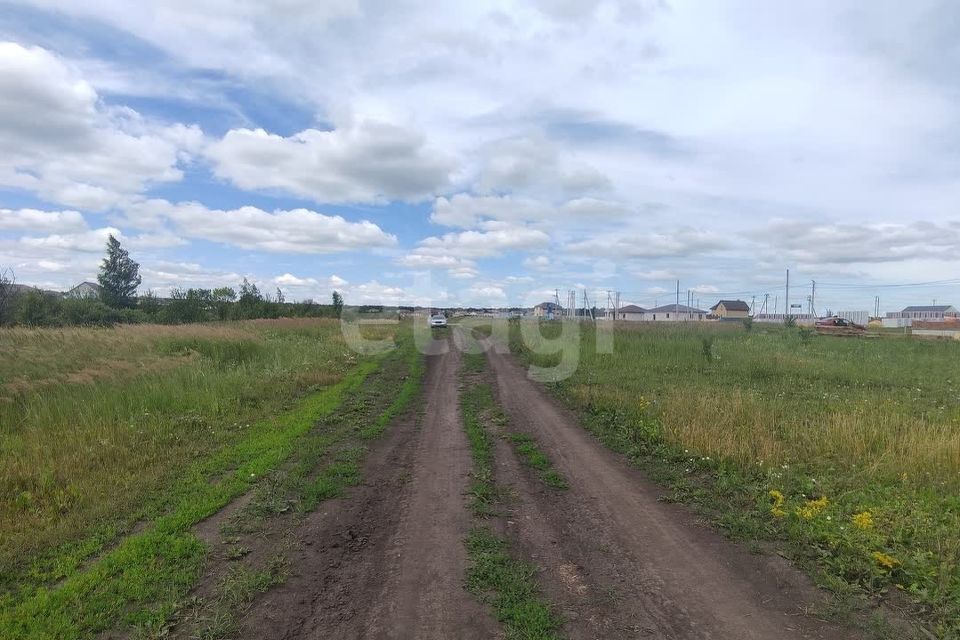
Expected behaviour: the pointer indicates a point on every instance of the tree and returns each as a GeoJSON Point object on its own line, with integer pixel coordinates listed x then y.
{"type": "Point", "coordinates": [7, 280]}
{"type": "Point", "coordinates": [119, 276]}
{"type": "Point", "coordinates": [337, 304]}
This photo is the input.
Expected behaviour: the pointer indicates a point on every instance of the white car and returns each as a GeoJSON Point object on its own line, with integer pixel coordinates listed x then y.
{"type": "Point", "coordinates": [438, 320]}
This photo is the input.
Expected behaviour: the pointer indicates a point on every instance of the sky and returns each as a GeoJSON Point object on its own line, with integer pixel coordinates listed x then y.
{"type": "Point", "coordinates": [487, 153]}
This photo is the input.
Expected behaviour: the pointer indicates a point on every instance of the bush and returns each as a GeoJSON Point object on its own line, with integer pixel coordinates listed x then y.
{"type": "Point", "coordinates": [88, 312]}
{"type": "Point", "coordinates": [37, 309]}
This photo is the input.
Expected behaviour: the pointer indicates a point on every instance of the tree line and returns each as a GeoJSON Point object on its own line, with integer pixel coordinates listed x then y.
{"type": "Point", "coordinates": [118, 301]}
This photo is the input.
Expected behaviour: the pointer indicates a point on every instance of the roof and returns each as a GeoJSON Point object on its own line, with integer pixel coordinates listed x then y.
{"type": "Point", "coordinates": [935, 308]}
{"type": "Point", "coordinates": [548, 306]}
{"type": "Point", "coordinates": [675, 308]}
{"type": "Point", "coordinates": [631, 308]}
{"type": "Point", "coordinates": [732, 305]}
{"type": "Point", "coordinates": [89, 284]}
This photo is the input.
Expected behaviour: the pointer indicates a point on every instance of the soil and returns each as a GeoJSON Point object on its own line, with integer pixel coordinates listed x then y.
{"type": "Point", "coordinates": [387, 560]}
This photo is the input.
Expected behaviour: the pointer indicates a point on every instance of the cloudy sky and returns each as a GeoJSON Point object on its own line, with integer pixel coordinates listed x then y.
{"type": "Point", "coordinates": [487, 153]}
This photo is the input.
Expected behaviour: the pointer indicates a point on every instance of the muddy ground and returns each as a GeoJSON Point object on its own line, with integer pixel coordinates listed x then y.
{"type": "Point", "coordinates": [387, 560]}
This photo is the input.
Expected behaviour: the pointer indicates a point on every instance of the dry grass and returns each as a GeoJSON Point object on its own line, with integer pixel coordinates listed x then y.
{"type": "Point", "coordinates": [94, 420]}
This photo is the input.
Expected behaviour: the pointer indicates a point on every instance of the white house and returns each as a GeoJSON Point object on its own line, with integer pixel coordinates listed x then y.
{"type": "Point", "coordinates": [934, 313]}
{"type": "Point", "coordinates": [674, 313]}
{"type": "Point", "coordinates": [631, 312]}
{"type": "Point", "coordinates": [84, 290]}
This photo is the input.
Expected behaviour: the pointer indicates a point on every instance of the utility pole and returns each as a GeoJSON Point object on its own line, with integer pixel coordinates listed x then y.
{"type": "Point", "coordinates": [753, 306]}
{"type": "Point", "coordinates": [813, 298]}
{"type": "Point", "coordinates": [877, 308]}
{"type": "Point", "coordinates": [786, 305]}
{"type": "Point", "coordinates": [677, 308]}
{"type": "Point", "coordinates": [766, 298]}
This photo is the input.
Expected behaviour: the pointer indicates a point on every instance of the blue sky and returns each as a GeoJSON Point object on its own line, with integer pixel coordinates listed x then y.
{"type": "Point", "coordinates": [487, 153]}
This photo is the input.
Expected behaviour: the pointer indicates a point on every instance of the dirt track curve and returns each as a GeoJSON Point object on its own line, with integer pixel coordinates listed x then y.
{"type": "Point", "coordinates": [388, 559]}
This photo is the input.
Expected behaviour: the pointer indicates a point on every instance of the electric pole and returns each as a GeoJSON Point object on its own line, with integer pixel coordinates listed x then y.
{"type": "Point", "coordinates": [813, 298]}
{"type": "Point", "coordinates": [786, 305]}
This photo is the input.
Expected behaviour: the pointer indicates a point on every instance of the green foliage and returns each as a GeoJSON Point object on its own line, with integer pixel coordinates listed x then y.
{"type": "Point", "coordinates": [748, 324]}
{"type": "Point", "coordinates": [119, 276]}
{"type": "Point", "coordinates": [337, 304]}
{"type": "Point", "coordinates": [37, 309]}
{"type": "Point", "coordinates": [532, 456]}
{"type": "Point", "coordinates": [860, 422]}
{"type": "Point", "coordinates": [510, 587]}
{"type": "Point", "coordinates": [7, 282]}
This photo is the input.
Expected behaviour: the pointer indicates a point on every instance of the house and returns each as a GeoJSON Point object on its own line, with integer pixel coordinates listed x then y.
{"type": "Point", "coordinates": [731, 309]}
{"type": "Point", "coordinates": [674, 313]}
{"type": "Point", "coordinates": [934, 313]}
{"type": "Point", "coordinates": [547, 310]}
{"type": "Point", "coordinates": [631, 312]}
{"type": "Point", "coordinates": [84, 290]}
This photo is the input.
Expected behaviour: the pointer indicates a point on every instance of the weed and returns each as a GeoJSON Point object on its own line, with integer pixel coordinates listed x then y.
{"type": "Point", "coordinates": [509, 586]}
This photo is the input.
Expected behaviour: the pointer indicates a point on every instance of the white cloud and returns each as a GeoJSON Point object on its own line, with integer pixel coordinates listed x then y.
{"type": "Point", "coordinates": [479, 244]}
{"type": "Point", "coordinates": [467, 211]}
{"type": "Point", "coordinates": [90, 241]}
{"type": "Point", "coordinates": [61, 142]}
{"type": "Point", "coordinates": [812, 243]}
{"type": "Point", "coordinates": [537, 262]}
{"type": "Point", "coordinates": [368, 162]}
{"type": "Point", "coordinates": [681, 242]}
{"type": "Point", "coordinates": [41, 221]}
{"type": "Point", "coordinates": [293, 231]}
{"type": "Point", "coordinates": [290, 280]}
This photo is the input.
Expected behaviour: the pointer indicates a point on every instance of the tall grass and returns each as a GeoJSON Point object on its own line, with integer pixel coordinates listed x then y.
{"type": "Point", "coordinates": [764, 424]}
{"type": "Point", "coordinates": [95, 422]}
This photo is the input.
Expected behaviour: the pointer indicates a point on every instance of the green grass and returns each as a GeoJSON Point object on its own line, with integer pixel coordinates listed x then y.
{"type": "Point", "coordinates": [475, 401]}
{"type": "Point", "coordinates": [82, 577]}
{"type": "Point", "coordinates": [725, 416]}
{"type": "Point", "coordinates": [234, 595]}
{"type": "Point", "coordinates": [325, 462]}
{"type": "Point", "coordinates": [510, 587]}
{"type": "Point", "coordinates": [532, 456]}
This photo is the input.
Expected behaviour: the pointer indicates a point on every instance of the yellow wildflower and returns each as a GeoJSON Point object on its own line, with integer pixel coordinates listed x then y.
{"type": "Point", "coordinates": [863, 520]}
{"type": "Point", "coordinates": [777, 508]}
{"type": "Point", "coordinates": [812, 508]}
{"type": "Point", "coordinates": [888, 562]}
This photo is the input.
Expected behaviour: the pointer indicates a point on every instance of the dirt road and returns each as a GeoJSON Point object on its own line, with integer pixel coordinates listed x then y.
{"type": "Point", "coordinates": [623, 564]}
{"type": "Point", "coordinates": [388, 559]}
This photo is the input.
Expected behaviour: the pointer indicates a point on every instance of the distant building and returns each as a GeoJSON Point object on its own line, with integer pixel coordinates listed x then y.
{"type": "Point", "coordinates": [674, 313]}
{"type": "Point", "coordinates": [547, 310]}
{"type": "Point", "coordinates": [84, 290]}
{"type": "Point", "coordinates": [731, 309]}
{"type": "Point", "coordinates": [935, 313]}
{"type": "Point", "coordinates": [631, 312]}
{"type": "Point", "coordinates": [803, 319]}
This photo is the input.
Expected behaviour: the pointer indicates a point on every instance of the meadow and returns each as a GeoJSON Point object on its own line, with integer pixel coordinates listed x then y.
{"type": "Point", "coordinates": [842, 452]}
{"type": "Point", "coordinates": [108, 433]}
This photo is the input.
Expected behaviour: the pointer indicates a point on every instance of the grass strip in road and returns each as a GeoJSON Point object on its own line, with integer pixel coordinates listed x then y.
{"type": "Point", "coordinates": [507, 584]}
{"type": "Point", "coordinates": [510, 587]}
{"type": "Point", "coordinates": [483, 492]}
{"type": "Point", "coordinates": [532, 456]}
{"type": "Point", "coordinates": [140, 580]}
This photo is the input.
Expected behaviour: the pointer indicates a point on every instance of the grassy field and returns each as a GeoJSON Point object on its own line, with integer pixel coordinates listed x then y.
{"type": "Point", "coordinates": [846, 452]}
{"type": "Point", "coordinates": [114, 442]}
